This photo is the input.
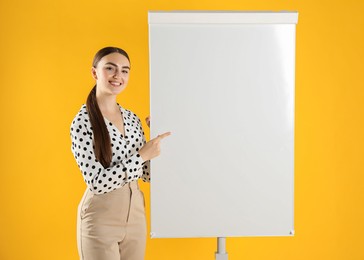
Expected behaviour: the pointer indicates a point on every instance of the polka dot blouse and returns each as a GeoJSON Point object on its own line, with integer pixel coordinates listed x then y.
{"type": "Point", "coordinates": [126, 165]}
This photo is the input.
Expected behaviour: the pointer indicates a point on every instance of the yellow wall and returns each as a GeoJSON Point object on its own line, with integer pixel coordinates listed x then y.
{"type": "Point", "coordinates": [46, 49]}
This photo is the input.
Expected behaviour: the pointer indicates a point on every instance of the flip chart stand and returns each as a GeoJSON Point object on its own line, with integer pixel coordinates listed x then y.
{"type": "Point", "coordinates": [221, 253]}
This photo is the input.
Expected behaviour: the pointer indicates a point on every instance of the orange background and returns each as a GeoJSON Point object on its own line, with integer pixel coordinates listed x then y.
{"type": "Point", "coordinates": [46, 50]}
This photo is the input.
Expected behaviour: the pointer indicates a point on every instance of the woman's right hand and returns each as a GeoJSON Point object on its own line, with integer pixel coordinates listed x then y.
{"type": "Point", "coordinates": [152, 148]}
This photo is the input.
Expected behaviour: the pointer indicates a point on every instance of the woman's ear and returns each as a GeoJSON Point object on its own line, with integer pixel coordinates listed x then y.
{"type": "Point", "coordinates": [93, 72]}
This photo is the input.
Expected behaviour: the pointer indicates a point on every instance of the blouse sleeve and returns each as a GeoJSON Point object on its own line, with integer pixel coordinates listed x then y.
{"type": "Point", "coordinates": [99, 179]}
{"type": "Point", "coordinates": [146, 164]}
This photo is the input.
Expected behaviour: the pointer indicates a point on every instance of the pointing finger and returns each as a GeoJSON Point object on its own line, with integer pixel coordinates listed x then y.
{"type": "Point", "coordinates": [160, 137]}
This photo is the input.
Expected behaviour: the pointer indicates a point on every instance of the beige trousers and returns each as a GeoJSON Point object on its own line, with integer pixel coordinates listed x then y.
{"type": "Point", "coordinates": [112, 226]}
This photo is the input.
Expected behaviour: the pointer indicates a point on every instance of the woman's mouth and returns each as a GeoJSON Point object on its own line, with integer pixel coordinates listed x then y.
{"type": "Point", "coordinates": [115, 83]}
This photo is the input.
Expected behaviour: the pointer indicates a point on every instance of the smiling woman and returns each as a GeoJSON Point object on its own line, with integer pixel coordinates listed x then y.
{"type": "Point", "coordinates": [109, 146]}
{"type": "Point", "coordinates": [112, 70]}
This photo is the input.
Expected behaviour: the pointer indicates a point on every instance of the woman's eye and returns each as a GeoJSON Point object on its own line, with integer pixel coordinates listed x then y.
{"type": "Point", "coordinates": [125, 71]}
{"type": "Point", "coordinates": [109, 68]}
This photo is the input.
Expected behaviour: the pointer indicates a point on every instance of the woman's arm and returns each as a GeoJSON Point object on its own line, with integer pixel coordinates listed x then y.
{"type": "Point", "coordinates": [99, 179]}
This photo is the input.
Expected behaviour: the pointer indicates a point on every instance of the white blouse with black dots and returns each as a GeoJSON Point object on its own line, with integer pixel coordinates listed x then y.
{"type": "Point", "coordinates": [126, 165]}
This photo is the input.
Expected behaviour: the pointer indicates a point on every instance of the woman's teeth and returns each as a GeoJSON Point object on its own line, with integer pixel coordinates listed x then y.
{"type": "Point", "coordinates": [116, 84]}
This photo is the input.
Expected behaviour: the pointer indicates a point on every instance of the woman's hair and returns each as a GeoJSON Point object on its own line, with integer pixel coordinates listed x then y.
{"type": "Point", "coordinates": [101, 137]}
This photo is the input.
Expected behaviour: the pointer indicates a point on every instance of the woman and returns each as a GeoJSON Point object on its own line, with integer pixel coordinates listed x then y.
{"type": "Point", "coordinates": [109, 146]}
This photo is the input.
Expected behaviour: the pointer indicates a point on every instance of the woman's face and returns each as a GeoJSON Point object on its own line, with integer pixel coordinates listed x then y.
{"type": "Point", "coordinates": [111, 74]}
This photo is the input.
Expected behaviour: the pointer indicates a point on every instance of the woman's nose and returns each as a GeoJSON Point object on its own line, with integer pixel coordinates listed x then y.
{"type": "Point", "coordinates": [117, 74]}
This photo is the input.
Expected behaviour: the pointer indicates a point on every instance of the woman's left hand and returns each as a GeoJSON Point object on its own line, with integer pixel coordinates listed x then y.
{"type": "Point", "coordinates": [147, 120]}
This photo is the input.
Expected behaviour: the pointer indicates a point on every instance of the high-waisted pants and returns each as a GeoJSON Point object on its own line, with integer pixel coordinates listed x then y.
{"type": "Point", "coordinates": [112, 226]}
